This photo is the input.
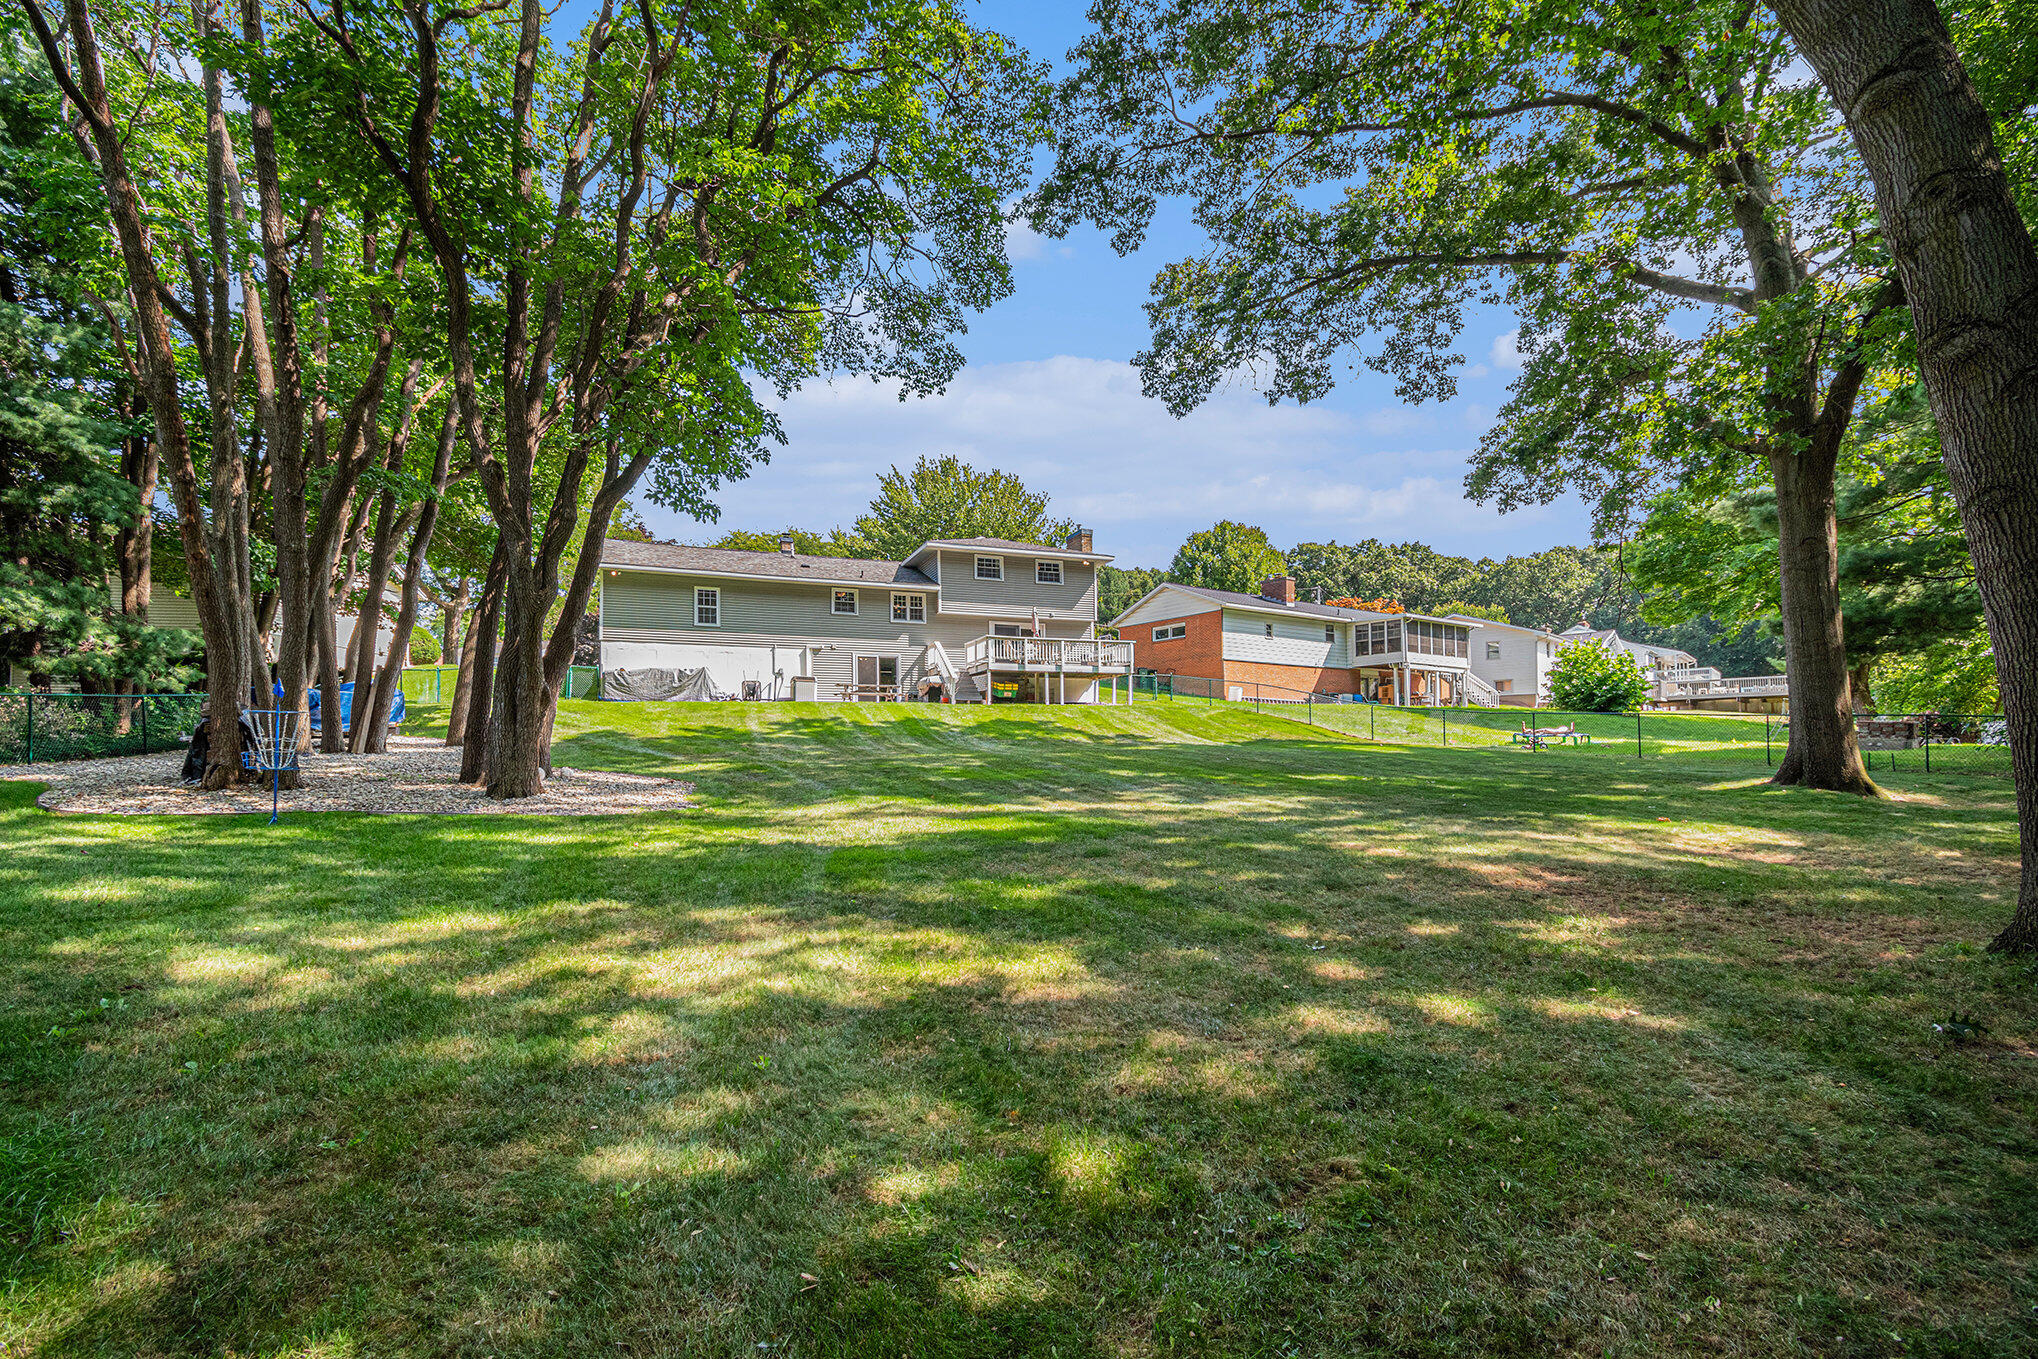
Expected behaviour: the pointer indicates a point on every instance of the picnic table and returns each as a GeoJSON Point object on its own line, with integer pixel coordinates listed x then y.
{"type": "Point", "coordinates": [870, 693]}
{"type": "Point", "coordinates": [1535, 738]}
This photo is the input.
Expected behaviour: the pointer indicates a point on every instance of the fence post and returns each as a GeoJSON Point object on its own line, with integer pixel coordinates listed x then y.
{"type": "Point", "coordinates": [1372, 721]}
{"type": "Point", "coordinates": [1768, 751]}
{"type": "Point", "coordinates": [30, 724]}
{"type": "Point", "coordinates": [1928, 745]}
{"type": "Point", "coordinates": [1638, 733]}
{"type": "Point", "coordinates": [1447, 728]}
{"type": "Point", "coordinates": [144, 701]}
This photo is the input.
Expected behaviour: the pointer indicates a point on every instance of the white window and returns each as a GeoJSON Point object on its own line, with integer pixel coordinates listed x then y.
{"type": "Point", "coordinates": [1170, 632]}
{"type": "Point", "coordinates": [990, 568]}
{"type": "Point", "coordinates": [909, 608]}
{"type": "Point", "coordinates": [1270, 629]}
{"type": "Point", "coordinates": [1047, 573]}
{"type": "Point", "coordinates": [707, 608]}
{"type": "Point", "coordinates": [845, 601]}
{"type": "Point", "coordinates": [1330, 632]}
{"type": "Point", "coordinates": [1493, 651]}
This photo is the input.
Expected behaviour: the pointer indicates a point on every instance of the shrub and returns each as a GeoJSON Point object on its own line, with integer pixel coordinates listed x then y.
{"type": "Point", "coordinates": [424, 647]}
{"type": "Point", "coordinates": [1587, 677]}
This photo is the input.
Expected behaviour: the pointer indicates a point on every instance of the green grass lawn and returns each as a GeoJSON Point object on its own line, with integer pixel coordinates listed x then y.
{"type": "Point", "coordinates": [945, 1031]}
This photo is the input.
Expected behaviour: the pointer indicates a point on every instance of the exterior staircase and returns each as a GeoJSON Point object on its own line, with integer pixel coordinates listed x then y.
{"type": "Point", "coordinates": [1482, 694]}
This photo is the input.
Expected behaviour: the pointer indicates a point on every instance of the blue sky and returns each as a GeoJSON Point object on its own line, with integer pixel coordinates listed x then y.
{"type": "Point", "coordinates": [1049, 395]}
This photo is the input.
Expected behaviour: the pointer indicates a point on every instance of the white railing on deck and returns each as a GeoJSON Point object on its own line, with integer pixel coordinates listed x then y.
{"type": "Point", "coordinates": [1049, 653]}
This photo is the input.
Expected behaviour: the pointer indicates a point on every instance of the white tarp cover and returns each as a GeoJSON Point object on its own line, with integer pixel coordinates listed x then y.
{"type": "Point", "coordinates": [656, 685]}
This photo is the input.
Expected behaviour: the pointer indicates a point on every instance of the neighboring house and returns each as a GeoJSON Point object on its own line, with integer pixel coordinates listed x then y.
{"type": "Point", "coordinates": [170, 610]}
{"type": "Point", "coordinates": [1513, 659]}
{"type": "Point", "coordinates": [1653, 660]}
{"type": "Point", "coordinates": [1677, 680]}
{"type": "Point", "coordinates": [1272, 638]}
{"type": "Point", "coordinates": [970, 619]}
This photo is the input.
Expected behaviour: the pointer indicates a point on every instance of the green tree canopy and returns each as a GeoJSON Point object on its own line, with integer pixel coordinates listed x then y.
{"type": "Point", "coordinates": [1414, 573]}
{"type": "Point", "coordinates": [1227, 556]}
{"type": "Point", "coordinates": [834, 543]}
{"type": "Point", "coordinates": [1673, 217]}
{"type": "Point", "coordinates": [947, 498]}
{"type": "Point", "coordinates": [1119, 587]}
{"type": "Point", "coordinates": [1708, 549]}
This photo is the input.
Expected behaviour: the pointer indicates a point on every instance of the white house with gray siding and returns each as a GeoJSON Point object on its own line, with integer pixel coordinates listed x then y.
{"type": "Point", "coordinates": [969, 620]}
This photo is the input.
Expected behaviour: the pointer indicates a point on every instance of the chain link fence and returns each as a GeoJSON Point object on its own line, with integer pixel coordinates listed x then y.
{"type": "Point", "coordinates": [36, 726]}
{"type": "Point", "coordinates": [1952, 743]}
{"type": "Point", "coordinates": [431, 685]}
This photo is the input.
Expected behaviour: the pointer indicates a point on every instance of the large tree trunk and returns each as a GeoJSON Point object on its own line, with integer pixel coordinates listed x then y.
{"type": "Point", "coordinates": [279, 393]}
{"type": "Point", "coordinates": [376, 724]}
{"type": "Point", "coordinates": [1823, 751]}
{"type": "Point", "coordinates": [368, 624]}
{"type": "Point", "coordinates": [133, 550]}
{"type": "Point", "coordinates": [516, 735]}
{"type": "Point", "coordinates": [480, 684]}
{"type": "Point", "coordinates": [463, 678]}
{"type": "Point", "coordinates": [1805, 441]}
{"type": "Point", "coordinates": [104, 141]}
{"type": "Point", "coordinates": [1971, 273]}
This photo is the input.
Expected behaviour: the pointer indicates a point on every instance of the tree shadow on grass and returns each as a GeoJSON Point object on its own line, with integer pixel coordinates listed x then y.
{"type": "Point", "coordinates": [1120, 1053]}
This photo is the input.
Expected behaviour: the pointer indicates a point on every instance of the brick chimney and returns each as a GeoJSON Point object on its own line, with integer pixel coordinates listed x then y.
{"type": "Point", "coordinates": [1280, 589]}
{"type": "Point", "coordinates": [1079, 541]}
{"type": "Point", "coordinates": [785, 543]}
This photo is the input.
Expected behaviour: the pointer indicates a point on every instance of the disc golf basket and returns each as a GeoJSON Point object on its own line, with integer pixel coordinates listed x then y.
{"type": "Point", "coordinates": [275, 749]}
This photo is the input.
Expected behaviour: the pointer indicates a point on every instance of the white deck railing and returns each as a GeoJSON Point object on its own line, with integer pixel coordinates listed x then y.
{"type": "Point", "coordinates": [1748, 686]}
{"type": "Point", "coordinates": [1047, 653]}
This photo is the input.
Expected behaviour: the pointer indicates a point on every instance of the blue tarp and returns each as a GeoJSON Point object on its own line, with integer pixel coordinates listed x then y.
{"type": "Point", "coordinates": [347, 707]}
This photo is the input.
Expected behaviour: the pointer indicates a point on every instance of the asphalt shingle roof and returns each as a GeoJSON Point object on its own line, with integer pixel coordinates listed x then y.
{"type": "Point", "coordinates": [770, 565]}
{"type": "Point", "coordinates": [1002, 545]}
{"type": "Point", "coordinates": [1262, 602]}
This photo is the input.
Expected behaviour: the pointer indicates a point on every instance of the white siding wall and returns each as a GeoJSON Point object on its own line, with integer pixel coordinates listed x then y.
{"type": "Point", "coordinates": [1296, 641]}
{"type": "Point", "coordinates": [1521, 658]}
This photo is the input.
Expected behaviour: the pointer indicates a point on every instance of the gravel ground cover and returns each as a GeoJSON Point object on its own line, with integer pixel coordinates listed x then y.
{"type": "Point", "coordinates": [416, 775]}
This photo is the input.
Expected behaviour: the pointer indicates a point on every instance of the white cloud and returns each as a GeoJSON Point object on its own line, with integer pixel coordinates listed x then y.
{"type": "Point", "coordinates": [1022, 242]}
{"type": "Point", "coordinates": [1507, 354]}
{"type": "Point", "coordinates": [1081, 430]}
{"type": "Point", "coordinates": [1395, 420]}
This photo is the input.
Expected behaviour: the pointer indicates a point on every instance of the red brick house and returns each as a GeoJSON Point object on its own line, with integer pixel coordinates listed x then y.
{"type": "Point", "coordinates": [1237, 641]}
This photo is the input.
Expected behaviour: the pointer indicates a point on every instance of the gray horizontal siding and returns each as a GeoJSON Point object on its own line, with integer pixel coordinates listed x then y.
{"type": "Point", "coordinates": [654, 607]}
{"type": "Point", "coordinates": [1018, 592]}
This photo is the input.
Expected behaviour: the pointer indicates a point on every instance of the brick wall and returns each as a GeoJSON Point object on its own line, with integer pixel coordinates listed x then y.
{"type": "Point", "coordinates": [1308, 678]}
{"type": "Point", "coordinates": [1199, 652]}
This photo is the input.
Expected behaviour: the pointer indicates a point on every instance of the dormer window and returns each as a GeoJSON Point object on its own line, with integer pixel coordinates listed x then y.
{"type": "Point", "coordinates": [990, 568]}
{"type": "Point", "coordinates": [1047, 573]}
